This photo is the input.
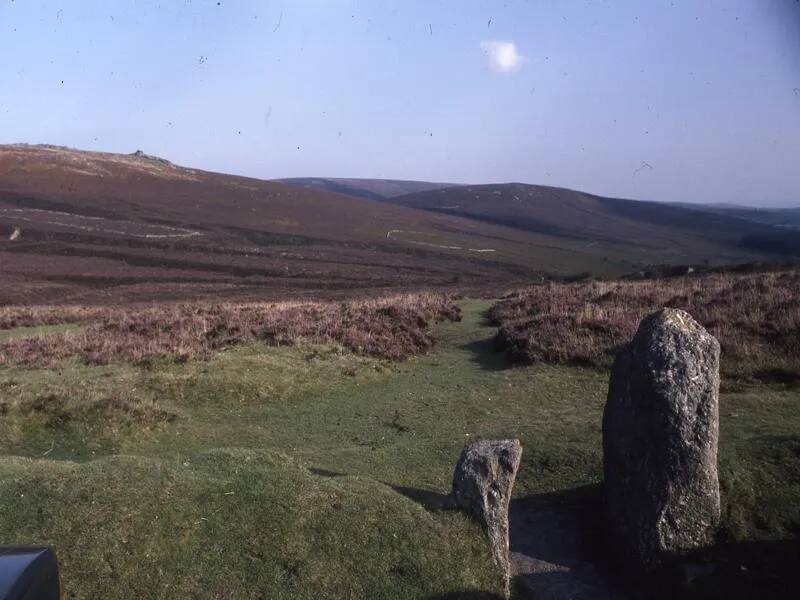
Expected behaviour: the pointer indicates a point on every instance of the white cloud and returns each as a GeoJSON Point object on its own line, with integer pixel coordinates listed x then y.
{"type": "Point", "coordinates": [503, 56]}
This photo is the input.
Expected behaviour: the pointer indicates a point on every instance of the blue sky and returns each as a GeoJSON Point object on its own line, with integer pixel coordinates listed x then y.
{"type": "Point", "coordinates": [662, 100]}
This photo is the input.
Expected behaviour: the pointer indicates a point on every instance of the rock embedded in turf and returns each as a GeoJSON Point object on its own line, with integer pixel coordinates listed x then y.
{"type": "Point", "coordinates": [660, 433]}
{"type": "Point", "coordinates": [482, 484]}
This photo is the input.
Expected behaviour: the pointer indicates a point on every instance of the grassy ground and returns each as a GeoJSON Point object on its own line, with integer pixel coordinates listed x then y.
{"type": "Point", "coordinates": [308, 472]}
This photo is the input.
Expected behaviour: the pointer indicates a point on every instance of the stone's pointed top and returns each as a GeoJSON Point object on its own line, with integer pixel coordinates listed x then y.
{"type": "Point", "coordinates": [671, 335]}
{"type": "Point", "coordinates": [506, 450]}
{"type": "Point", "coordinates": [673, 317]}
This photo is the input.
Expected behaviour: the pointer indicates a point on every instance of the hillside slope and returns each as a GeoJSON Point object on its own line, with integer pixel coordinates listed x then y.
{"type": "Point", "coordinates": [87, 227]}
{"type": "Point", "coordinates": [373, 189]}
{"type": "Point", "coordinates": [593, 219]}
{"type": "Point", "coordinates": [788, 218]}
{"type": "Point", "coordinates": [784, 238]}
{"type": "Point", "coordinates": [143, 188]}
{"type": "Point", "coordinates": [80, 225]}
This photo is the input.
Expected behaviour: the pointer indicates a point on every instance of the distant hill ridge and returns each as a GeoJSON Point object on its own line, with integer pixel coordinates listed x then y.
{"type": "Point", "coordinates": [781, 217]}
{"type": "Point", "coordinates": [565, 212]}
{"type": "Point", "coordinates": [372, 189]}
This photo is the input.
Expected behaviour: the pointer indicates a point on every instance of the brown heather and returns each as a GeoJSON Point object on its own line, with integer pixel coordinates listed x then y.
{"type": "Point", "coordinates": [393, 328]}
{"type": "Point", "coordinates": [12, 317]}
{"type": "Point", "coordinates": [756, 318]}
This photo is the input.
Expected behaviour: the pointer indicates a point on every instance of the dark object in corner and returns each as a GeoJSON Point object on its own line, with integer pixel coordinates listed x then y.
{"type": "Point", "coordinates": [29, 573]}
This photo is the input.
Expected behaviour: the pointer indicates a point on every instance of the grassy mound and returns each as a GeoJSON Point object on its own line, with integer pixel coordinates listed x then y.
{"type": "Point", "coordinates": [227, 523]}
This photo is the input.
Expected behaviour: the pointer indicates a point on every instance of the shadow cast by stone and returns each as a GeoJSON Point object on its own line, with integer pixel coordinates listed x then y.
{"type": "Point", "coordinates": [559, 526]}
{"type": "Point", "coordinates": [560, 539]}
{"type": "Point", "coordinates": [557, 545]}
{"type": "Point", "coordinates": [725, 571]}
{"type": "Point", "coordinates": [430, 500]}
{"type": "Point", "coordinates": [765, 569]}
{"type": "Point", "coordinates": [775, 375]}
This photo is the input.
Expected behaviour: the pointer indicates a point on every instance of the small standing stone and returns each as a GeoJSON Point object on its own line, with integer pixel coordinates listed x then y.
{"type": "Point", "coordinates": [482, 484]}
{"type": "Point", "coordinates": [660, 433]}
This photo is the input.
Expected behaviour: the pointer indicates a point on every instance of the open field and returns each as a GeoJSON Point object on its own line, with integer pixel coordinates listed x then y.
{"type": "Point", "coordinates": [308, 471]}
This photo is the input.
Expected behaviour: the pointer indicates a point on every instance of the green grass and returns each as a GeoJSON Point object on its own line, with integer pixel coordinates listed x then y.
{"type": "Point", "coordinates": [309, 472]}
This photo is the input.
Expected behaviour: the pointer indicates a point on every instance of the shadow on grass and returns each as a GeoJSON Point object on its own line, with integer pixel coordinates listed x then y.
{"type": "Point", "coordinates": [429, 500]}
{"type": "Point", "coordinates": [325, 472]}
{"type": "Point", "coordinates": [566, 528]}
{"type": "Point", "coordinates": [759, 569]}
{"type": "Point", "coordinates": [787, 377]}
{"type": "Point", "coordinates": [486, 356]}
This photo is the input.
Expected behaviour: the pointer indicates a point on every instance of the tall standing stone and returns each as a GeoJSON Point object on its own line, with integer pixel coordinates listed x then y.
{"type": "Point", "coordinates": [482, 484]}
{"type": "Point", "coordinates": [660, 432]}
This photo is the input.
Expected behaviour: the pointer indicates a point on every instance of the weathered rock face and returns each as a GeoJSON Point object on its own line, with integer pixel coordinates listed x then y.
{"type": "Point", "coordinates": [660, 432]}
{"type": "Point", "coordinates": [482, 484]}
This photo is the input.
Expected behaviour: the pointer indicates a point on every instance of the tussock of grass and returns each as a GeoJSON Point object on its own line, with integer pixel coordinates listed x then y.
{"type": "Point", "coordinates": [393, 328]}
{"type": "Point", "coordinates": [756, 318]}
{"type": "Point", "coordinates": [109, 412]}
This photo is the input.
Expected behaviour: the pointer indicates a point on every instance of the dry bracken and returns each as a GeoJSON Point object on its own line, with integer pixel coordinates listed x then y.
{"type": "Point", "coordinates": [393, 328]}
{"type": "Point", "coordinates": [756, 318]}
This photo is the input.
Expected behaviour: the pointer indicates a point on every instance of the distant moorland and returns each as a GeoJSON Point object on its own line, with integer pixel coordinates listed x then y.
{"type": "Point", "coordinates": [85, 227]}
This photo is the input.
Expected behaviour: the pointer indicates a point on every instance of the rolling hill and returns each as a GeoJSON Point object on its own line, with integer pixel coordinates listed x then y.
{"type": "Point", "coordinates": [595, 220]}
{"type": "Point", "coordinates": [77, 225]}
{"type": "Point", "coordinates": [373, 189]}
{"type": "Point", "coordinates": [788, 218]}
{"type": "Point", "coordinates": [784, 238]}
{"type": "Point", "coordinates": [95, 227]}
{"type": "Point", "coordinates": [83, 226]}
